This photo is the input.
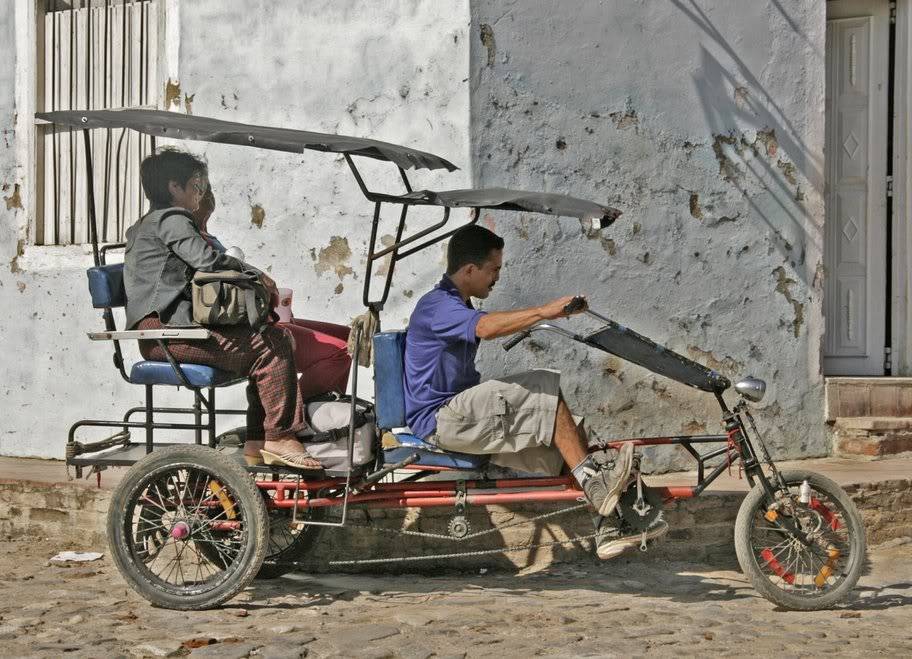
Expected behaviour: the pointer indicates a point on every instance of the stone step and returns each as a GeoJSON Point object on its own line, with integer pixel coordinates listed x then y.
{"type": "Point", "coordinates": [864, 397]}
{"type": "Point", "coordinates": [872, 436]}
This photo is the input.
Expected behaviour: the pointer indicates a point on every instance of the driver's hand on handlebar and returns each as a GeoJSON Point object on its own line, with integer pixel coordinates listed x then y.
{"type": "Point", "coordinates": [555, 308]}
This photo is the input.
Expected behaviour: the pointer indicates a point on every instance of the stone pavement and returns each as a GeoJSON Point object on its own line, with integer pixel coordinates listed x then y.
{"type": "Point", "coordinates": [632, 606]}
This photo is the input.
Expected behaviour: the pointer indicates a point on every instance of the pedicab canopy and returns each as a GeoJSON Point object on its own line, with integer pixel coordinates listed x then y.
{"type": "Point", "coordinates": [173, 125]}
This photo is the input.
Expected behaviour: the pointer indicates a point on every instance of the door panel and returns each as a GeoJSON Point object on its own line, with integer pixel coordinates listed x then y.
{"type": "Point", "coordinates": [855, 227]}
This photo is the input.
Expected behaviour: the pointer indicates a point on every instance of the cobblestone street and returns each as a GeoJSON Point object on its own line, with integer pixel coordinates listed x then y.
{"type": "Point", "coordinates": [632, 606]}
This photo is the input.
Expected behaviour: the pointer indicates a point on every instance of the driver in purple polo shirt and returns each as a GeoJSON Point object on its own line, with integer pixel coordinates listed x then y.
{"type": "Point", "coordinates": [521, 419]}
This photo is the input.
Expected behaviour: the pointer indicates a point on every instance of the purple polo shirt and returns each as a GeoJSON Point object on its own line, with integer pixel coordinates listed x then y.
{"type": "Point", "coordinates": [440, 349]}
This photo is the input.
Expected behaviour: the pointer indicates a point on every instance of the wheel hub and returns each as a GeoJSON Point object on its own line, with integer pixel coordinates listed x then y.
{"type": "Point", "coordinates": [180, 530]}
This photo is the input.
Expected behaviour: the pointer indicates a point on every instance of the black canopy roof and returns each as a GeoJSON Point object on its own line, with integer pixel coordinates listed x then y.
{"type": "Point", "coordinates": [175, 125]}
{"type": "Point", "coordinates": [189, 127]}
{"type": "Point", "coordinates": [517, 200]}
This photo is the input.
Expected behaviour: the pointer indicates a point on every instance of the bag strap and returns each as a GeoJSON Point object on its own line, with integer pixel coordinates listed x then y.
{"type": "Point", "coordinates": [250, 304]}
{"type": "Point", "coordinates": [335, 434]}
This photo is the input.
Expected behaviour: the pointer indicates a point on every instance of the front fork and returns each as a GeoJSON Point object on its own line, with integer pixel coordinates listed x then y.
{"type": "Point", "coordinates": [739, 440]}
{"type": "Point", "coordinates": [776, 488]}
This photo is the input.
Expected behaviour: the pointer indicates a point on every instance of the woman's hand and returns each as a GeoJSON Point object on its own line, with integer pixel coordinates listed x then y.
{"type": "Point", "coordinates": [204, 210]}
{"type": "Point", "coordinates": [271, 287]}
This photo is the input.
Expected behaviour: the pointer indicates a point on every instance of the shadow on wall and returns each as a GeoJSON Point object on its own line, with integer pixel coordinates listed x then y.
{"type": "Point", "coordinates": [752, 103]}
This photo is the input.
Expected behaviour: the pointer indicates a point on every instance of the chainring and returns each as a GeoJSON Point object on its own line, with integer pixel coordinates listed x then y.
{"type": "Point", "coordinates": [458, 527]}
{"type": "Point", "coordinates": [631, 517]}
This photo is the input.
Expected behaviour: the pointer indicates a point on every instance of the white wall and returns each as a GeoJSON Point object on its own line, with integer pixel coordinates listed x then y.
{"type": "Point", "coordinates": [644, 105]}
{"type": "Point", "coordinates": [703, 121]}
{"type": "Point", "coordinates": [395, 73]}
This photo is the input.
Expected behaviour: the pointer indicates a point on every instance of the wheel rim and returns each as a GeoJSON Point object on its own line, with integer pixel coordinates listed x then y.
{"type": "Point", "coordinates": [185, 529]}
{"type": "Point", "coordinates": [811, 569]}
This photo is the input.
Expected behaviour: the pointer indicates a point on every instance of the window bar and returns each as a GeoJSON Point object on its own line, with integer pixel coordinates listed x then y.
{"type": "Point", "coordinates": [123, 131]}
{"type": "Point", "coordinates": [55, 92]}
{"type": "Point", "coordinates": [91, 232]}
{"type": "Point", "coordinates": [141, 142]}
{"type": "Point", "coordinates": [106, 102]}
{"type": "Point", "coordinates": [72, 142]}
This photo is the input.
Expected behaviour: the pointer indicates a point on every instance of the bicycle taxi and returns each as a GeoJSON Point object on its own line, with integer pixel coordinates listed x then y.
{"type": "Point", "coordinates": [190, 525]}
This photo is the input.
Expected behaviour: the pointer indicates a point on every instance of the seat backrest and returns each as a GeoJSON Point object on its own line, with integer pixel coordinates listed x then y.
{"type": "Point", "coordinates": [389, 386]}
{"type": "Point", "coordinates": [106, 286]}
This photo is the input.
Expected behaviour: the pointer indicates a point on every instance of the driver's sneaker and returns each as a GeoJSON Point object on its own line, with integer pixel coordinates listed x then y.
{"type": "Point", "coordinates": [610, 542]}
{"type": "Point", "coordinates": [603, 484]}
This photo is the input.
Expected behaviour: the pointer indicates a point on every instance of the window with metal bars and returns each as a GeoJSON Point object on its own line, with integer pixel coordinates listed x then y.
{"type": "Point", "coordinates": [93, 54]}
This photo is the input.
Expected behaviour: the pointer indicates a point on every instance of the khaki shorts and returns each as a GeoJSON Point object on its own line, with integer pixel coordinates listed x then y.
{"type": "Point", "coordinates": [511, 418]}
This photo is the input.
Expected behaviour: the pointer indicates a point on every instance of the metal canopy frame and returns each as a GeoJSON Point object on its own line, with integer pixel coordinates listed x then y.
{"type": "Point", "coordinates": [159, 123]}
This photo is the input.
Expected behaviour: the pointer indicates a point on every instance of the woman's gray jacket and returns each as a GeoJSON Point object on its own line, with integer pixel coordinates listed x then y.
{"type": "Point", "coordinates": [164, 249]}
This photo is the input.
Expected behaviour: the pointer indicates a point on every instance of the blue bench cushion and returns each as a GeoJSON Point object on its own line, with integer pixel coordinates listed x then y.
{"type": "Point", "coordinates": [199, 375]}
{"type": "Point", "coordinates": [431, 456]}
{"type": "Point", "coordinates": [389, 388]}
{"type": "Point", "coordinates": [106, 286]}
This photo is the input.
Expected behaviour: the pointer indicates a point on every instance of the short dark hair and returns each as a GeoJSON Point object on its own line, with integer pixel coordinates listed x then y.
{"type": "Point", "coordinates": [471, 244]}
{"type": "Point", "coordinates": [168, 164]}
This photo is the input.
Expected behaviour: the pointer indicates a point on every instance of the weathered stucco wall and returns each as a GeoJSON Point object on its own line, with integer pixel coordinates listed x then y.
{"type": "Point", "coordinates": [702, 121]}
{"type": "Point", "coordinates": [389, 72]}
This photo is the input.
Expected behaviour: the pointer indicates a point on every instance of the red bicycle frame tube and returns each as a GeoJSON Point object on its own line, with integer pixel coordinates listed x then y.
{"type": "Point", "coordinates": [480, 492]}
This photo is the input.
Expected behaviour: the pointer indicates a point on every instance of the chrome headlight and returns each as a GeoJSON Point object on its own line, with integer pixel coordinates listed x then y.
{"type": "Point", "coordinates": [753, 389]}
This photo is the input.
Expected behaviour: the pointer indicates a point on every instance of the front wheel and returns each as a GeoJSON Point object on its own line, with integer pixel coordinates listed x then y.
{"type": "Point", "coordinates": [801, 556]}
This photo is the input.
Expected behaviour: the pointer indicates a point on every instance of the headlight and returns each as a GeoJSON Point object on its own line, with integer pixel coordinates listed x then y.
{"type": "Point", "coordinates": [753, 389]}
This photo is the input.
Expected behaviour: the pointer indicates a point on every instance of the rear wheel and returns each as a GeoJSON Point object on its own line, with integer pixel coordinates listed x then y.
{"type": "Point", "coordinates": [801, 556]}
{"type": "Point", "coordinates": [187, 528]}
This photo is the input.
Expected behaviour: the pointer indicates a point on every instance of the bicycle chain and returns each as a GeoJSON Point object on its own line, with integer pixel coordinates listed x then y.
{"type": "Point", "coordinates": [441, 536]}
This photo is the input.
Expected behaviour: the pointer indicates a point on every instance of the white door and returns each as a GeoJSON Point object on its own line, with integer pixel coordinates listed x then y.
{"type": "Point", "coordinates": [856, 158]}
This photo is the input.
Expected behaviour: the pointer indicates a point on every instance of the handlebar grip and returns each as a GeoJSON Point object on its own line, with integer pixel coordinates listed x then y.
{"type": "Point", "coordinates": [514, 340]}
{"type": "Point", "coordinates": [576, 304]}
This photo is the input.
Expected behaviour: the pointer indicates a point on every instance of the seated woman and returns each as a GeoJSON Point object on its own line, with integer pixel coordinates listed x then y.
{"type": "Point", "coordinates": [164, 249]}
{"type": "Point", "coordinates": [320, 348]}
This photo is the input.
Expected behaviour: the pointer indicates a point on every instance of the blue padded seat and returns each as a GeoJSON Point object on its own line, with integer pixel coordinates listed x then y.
{"type": "Point", "coordinates": [106, 286]}
{"type": "Point", "coordinates": [430, 455]}
{"type": "Point", "coordinates": [199, 375]}
{"type": "Point", "coordinates": [389, 352]}
{"type": "Point", "coordinates": [389, 388]}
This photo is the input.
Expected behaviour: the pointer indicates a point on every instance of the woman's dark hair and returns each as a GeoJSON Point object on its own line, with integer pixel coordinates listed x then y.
{"type": "Point", "coordinates": [471, 244]}
{"type": "Point", "coordinates": [168, 164]}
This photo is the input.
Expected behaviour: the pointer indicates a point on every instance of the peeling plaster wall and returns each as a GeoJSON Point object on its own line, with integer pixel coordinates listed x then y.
{"type": "Point", "coordinates": [703, 121]}
{"type": "Point", "coordinates": [395, 72]}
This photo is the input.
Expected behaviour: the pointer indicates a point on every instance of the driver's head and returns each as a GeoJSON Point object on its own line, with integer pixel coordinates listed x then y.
{"type": "Point", "coordinates": [174, 178]}
{"type": "Point", "coordinates": [474, 259]}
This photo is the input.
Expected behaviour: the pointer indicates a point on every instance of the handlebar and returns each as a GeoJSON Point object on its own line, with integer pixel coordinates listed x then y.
{"type": "Point", "coordinates": [578, 303]}
{"type": "Point", "coordinates": [514, 340]}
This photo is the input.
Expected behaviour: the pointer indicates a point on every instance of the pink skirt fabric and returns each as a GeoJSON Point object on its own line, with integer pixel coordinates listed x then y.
{"type": "Point", "coordinates": [320, 356]}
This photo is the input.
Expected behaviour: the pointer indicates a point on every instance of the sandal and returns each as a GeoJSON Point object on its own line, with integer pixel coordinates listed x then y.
{"type": "Point", "coordinates": [296, 459]}
{"type": "Point", "coordinates": [253, 458]}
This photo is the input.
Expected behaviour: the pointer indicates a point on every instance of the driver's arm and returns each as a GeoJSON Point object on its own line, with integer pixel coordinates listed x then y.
{"type": "Point", "coordinates": [503, 323]}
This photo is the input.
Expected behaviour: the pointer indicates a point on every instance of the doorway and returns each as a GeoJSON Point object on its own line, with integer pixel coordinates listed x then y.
{"type": "Point", "coordinates": [857, 258]}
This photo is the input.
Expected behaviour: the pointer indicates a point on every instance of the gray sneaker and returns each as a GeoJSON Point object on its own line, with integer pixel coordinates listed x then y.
{"type": "Point", "coordinates": [605, 483]}
{"type": "Point", "coordinates": [610, 542]}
